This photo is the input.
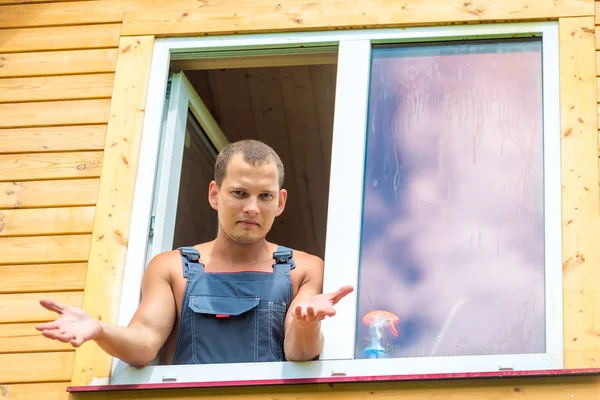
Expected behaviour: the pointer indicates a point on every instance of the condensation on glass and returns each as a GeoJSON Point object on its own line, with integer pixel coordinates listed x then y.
{"type": "Point", "coordinates": [453, 220]}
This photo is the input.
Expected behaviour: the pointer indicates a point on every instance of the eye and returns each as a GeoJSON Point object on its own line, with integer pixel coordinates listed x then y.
{"type": "Point", "coordinates": [266, 195]}
{"type": "Point", "coordinates": [238, 193]}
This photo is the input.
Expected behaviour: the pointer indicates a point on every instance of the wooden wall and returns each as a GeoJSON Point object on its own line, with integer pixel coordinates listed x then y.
{"type": "Point", "coordinates": [56, 82]}
{"type": "Point", "coordinates": [73, 77]}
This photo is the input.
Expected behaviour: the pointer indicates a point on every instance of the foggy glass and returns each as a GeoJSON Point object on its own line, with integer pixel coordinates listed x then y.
{"type": "Point", "coordinates": [453, 220]}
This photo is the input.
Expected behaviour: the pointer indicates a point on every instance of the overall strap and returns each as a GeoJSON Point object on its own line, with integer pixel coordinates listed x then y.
{"type": "Point", "coordinates": [283, 257]}
{"type": "Point", "coordinates": [189, 256]}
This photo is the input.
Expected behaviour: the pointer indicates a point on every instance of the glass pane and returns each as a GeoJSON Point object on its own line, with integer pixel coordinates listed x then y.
{"type": "Point", "coordinates": [196, 221]}
{"type": "Point", "coordinates": [453, 220]}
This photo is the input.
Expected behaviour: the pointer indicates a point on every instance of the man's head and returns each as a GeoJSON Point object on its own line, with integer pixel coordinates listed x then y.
{"type": "Point", "coordinates": [253, 152]}
{"type": "Point", "coordinates": [247, 190]}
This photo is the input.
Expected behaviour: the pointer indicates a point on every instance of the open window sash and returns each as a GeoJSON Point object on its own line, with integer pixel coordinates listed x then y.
{"type": "Point", "coordinates": [345, 224]}
{"type": "Point", "coordinates": [182, 98]}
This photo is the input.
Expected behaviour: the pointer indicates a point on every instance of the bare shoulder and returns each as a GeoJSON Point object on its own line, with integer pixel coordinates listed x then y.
{"type": "Point", "coordinates": [164, 265]}
{"type": "Point", "coordinates": [306, 260]}
{"type": "Point", "coordinates": [309, 266]}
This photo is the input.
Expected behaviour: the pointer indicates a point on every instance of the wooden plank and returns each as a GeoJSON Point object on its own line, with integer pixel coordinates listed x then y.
{"type": "Point", "coordinates": [115, 198]}
{"type": "Point", "coordinates": [42, 277]}
{"type": "Point", "coordinates": [35, 391]}
{"type": "Point", "coordinates": [580, 197]}
{"type": "Point", "coordinates": [26, 167]}
{"type": "Point", "coordinates": [6, 2]}
{"type": "Point", "coordinates": [52, 138]}
{"type": "Point", "coordinates": [44, 249]}
{"type": "Point", "coordinates": [57, 62]}
{"type": "Point", "coordinates": [46, 221]}
{"type": "Point", "coordinates": [68, 112]}
{"type": "Point", "coordinates": [256, 61]}
{"type": "Point", "coordinates": [323, 78]}
{"type": "Point", "coordinates": [222, 84]}
{"type": "Point", "coordinates": [26, 307]}
{"type": "Point", "coordinates": [186, 17]}
{"type": "Point", "coordinates": [72, 192]}
{"type": "Point", "coordinates": [68, 87]}
{"type": "Point", "coordinates": [24, 338]}
{"type": "Point", "coordinates": [264, 88]}
{"type": "Point", "coordinates": [597, 12]}
{"type": "Point", "coordinates": [36, 367]}
{"type": "Point", "coordinates": [60, 38]}
{"type": "Point", "coordinates": [60, 14]}
{"type": "Point", "coordinates": [546, 388]}
{"type": "Point", "coordinates": [308, 156]}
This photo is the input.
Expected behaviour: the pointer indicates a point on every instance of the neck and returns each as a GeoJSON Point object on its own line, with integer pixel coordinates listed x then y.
{"type": "Point", "coordinates": [234, 253]}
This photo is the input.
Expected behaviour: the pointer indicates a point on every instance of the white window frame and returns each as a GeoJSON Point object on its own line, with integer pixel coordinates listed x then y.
{"type": "Point", "coordinates": [345, 207]}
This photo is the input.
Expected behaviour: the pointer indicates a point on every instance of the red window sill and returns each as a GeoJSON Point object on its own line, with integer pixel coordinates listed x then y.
{"type": "Point", "coordinates": [339, 379]}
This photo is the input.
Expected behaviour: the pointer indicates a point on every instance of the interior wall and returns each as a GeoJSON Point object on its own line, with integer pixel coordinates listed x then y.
{"type": "Point", "coordinates": [291, 109]}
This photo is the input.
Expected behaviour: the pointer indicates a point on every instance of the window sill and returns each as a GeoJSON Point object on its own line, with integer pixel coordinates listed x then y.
{"type": "Point", "coordinates": [338, 379]}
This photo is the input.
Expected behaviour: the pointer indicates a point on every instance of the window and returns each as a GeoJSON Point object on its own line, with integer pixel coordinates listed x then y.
{"type": "Point", "coordinates": [443, 207]}
{"type": "Point", "coordinates": [453, 215]}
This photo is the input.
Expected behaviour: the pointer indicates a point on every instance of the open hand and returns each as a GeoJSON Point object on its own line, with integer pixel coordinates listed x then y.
{"type": "Point", "coordinates": [74, 326]}
{"type": "Point", "coordinates": [320, 306]}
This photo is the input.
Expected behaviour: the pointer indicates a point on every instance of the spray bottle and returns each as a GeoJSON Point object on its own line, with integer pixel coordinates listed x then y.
{"type": "Point", "coordinates": [377, 321]}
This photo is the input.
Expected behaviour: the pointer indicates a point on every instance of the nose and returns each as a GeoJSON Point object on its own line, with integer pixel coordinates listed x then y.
{"type": "Point", "coordinates": [251, 206]}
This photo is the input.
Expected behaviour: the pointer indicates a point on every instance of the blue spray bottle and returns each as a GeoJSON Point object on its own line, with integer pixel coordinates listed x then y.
{"type": "Point", "coordinates": [377, 321]}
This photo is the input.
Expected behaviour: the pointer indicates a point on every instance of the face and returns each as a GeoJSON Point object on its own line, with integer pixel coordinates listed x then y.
{"type": "Point", "coordinates": [248, 200]}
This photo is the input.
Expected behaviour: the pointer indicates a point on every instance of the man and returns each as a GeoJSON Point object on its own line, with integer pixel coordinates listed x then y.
{"type": "Point", "coordinates": [237, 298]}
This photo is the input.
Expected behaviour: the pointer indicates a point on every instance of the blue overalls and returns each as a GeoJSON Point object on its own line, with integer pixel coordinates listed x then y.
{"type": "Point", "coordinates": [233, 317]}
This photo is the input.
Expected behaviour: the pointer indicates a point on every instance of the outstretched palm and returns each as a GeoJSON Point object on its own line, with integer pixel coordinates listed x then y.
{"type": "Point", "coordinates": [320, 306]}
{"type": "Point", "coordinates": [74, 326]}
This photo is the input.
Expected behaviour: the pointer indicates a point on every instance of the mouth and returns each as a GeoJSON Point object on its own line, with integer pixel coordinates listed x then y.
{"type": "Point", "coordinates": [248, 223]}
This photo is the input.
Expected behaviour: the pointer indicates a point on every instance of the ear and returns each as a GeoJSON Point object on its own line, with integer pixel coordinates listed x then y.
{"type": "Point", "coordinates": [281, 202]}
{"type": "Point", "coordinates": [213, 195]}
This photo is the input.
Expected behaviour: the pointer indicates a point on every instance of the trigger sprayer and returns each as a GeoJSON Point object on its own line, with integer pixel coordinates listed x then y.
{"type": "Point", "coordinates": [377, 321]}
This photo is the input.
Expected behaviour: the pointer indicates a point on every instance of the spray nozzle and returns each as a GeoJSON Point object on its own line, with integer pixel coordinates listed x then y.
{"type": "Point", "coordinates": [380, 318]}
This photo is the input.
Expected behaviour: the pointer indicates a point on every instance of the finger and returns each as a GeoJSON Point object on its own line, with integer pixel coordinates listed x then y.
{"type": "Point", "coordinates": [52, 306]}
{"type": "Point", "coordinates": [298, 312]}
{"type": "Point", "coordinates": [328, 312]}
{"type": "Point", "coordinates": [47, 325]}
{"type": "Point", "coordinates": [341, 293]}
{"type": "Point", "coordinates": [65, 337]}
{"type": "Point", "coordinates": [57, 334]}
{"type": "Point", "coordinates": [49, 333]}
{"type": "Point", "coordinates": [310, 312]}
{"type": "Point", "coordinates": [78, 341]}
{"type": "Point", "coordinates": [321, 314]}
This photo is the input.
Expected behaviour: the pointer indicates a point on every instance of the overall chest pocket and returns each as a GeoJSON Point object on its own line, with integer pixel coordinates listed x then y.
{"type": "Point", "coordinates": [236, 329]}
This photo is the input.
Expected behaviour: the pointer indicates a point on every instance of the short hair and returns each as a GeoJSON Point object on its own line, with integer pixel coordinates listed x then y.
{"type": "Point", "coordinates": [253, 152]}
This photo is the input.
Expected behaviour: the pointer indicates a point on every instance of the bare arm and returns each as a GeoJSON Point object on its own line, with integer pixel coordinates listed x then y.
{"type": "Point", "coordinates": [303, 338]}
{"type": "Point", "coordinates": [140, 341]}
